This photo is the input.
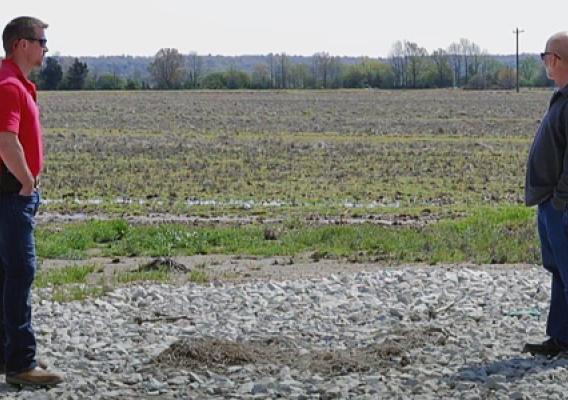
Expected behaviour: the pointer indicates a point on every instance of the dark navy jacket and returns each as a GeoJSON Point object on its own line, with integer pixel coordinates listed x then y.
{"type": "Point", "coordinates": [547, 166]}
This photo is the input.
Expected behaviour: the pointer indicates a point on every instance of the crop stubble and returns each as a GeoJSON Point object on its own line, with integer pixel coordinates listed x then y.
{"type": "Point", "coordinates": [308, 151]}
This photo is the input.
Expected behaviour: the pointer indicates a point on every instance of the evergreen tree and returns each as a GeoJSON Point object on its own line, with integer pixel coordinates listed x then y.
{"type": "Point", "coordinates": [51, 75]}
{"type": "Point", "coordinates": [76, 75]}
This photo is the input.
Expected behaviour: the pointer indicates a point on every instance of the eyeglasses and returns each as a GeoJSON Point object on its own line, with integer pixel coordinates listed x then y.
{"type": "Point", "coordinates": [42, 42]}
{"type": "Point", "coordinates": [546, 53]}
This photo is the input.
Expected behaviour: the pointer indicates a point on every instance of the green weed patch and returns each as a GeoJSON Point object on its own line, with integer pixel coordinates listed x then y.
{"type": "Point", "coordinates": [75, 274]}
{"type": "Point", "coordinates": [489, 235]}
{"type": "Point", "coordinates": [67, 294]}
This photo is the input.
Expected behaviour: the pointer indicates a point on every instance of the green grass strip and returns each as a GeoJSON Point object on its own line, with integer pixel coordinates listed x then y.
{"type": "Point", "coordinates": [489, 235]}
{"type": "Point", "coordinates": [74, 274]}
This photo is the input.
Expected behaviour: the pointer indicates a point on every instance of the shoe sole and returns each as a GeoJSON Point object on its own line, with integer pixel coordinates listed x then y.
{"type": "Point", "coordinates": [41, 364]}
{"type": "Point", "coordinates": [23, 382]}
{"type": "Point", "coordinates": [549, 355]}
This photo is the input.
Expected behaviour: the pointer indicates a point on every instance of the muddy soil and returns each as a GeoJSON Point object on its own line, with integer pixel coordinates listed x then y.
{"type": "Point", "coordinates": [314, 220]}
{"type": "Point", "coordinates": [228, 268]}
{"type": "Point", "coordinates": [234, 268]}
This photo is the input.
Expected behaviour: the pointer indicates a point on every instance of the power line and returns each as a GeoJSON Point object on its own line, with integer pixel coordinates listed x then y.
{"type": "Point", "coordinates": [517, 32]}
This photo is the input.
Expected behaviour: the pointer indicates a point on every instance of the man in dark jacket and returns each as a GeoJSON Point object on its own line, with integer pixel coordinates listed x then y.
{"type": "Point", "coordinates": [546, 185]}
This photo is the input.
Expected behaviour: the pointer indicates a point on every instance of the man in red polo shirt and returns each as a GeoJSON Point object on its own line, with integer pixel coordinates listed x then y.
{"type": "Point", "coordinates": [21, 162]}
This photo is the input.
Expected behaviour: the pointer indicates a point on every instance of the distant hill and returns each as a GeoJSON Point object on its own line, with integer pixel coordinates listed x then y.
{"type": "Point", "coordinates": [510, 60]}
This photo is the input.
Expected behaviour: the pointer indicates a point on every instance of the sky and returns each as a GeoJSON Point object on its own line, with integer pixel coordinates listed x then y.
{"type": "Point", "coordinates": [296, 27]}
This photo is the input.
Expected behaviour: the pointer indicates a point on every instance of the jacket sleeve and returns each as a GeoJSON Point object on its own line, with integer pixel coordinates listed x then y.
{"type": "Point", "coordinates": [560, 195]}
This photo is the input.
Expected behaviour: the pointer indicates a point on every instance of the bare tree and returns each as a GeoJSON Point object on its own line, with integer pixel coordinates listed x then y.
{"type": "Point", "coordinates": [470, 53]}
{"type": "Point", "coordinates": [333, 72]}
{"type": "Point", "coordinates": [398, 63]}
{"type": "Point", "coordinates": [482, 69]}
{"type": "Point", "coordinates": [464, 45]}
{"type": "Point", "coordinates": [529, 70]}
{"type": "Point", "coordinates": [474, 52]}
{"type": "Point", "coordinates": [279, 66]}
{"type": "Point", "coordinates": [167, 69]}
{"type": "Point", "coordinates": [195, 63]}
{"type": "Point", "coordinates": [506, 78]}
{"type": "Point", "coordinates": [454, 53]}
{"type": "Point", "coordinates": [316, 61]}
{"type": "Point", "coordinates": [283, 70]}
{"type": "Point", "coordinates": [322, 69]}
{"type": "Point", "coordinates": [299, 76]}
{"type": "Point", "coordinates": [415, 56]}
{"type": "Point", "coordinates": [441, 60]}
{"type": "Point", "coordinates": [260, 77]}
{"type": "Point", "coordinates": [272, 69]}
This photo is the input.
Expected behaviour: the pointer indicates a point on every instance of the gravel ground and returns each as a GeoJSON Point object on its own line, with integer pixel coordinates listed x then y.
{"type": "Point", "coordinates": [399, 332]}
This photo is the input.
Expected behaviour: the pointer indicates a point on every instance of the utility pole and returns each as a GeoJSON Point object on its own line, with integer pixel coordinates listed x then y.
{"type": "Point", "coordinates": [517, 32]}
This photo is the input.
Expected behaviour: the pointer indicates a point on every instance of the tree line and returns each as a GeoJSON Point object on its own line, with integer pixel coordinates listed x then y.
{"type": "Point", "coordinates": [462, 64]}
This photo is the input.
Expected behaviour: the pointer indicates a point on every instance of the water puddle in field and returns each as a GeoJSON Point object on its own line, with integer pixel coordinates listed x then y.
{"type": "Point", "coordinates": [238, 220]}
{"type": "Point", "coordinates": [185, 217]}
{"type": "Point", "coordinates": [244, 204]}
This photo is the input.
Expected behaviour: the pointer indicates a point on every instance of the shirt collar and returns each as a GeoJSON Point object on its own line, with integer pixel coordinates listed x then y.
{"type": "Point", "coordinates": [17, 72]}
{"type": "Point", "coordinates": [563, 91]}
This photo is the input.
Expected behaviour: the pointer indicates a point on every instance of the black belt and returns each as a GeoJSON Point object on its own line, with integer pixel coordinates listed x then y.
{"type": "Point", "coordinates": [9, 183]}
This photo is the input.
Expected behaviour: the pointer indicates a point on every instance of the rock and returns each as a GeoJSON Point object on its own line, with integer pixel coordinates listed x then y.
{"type": "Point", "coordinates": [246, 388]}
{"type": "Point", "coordinates": [309, 338]}
{"type": "Point", "coordinates": [177, 381]}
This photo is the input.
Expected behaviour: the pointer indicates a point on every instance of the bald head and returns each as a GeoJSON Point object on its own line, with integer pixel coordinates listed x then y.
{"type": "Point", "coordinates": [558, 43]}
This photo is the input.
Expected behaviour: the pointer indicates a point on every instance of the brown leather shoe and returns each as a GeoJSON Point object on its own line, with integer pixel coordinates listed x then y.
{"type": "Point", "coordinates": [40, 363]}
{"type": "Point", "coordinates": [35, 377]}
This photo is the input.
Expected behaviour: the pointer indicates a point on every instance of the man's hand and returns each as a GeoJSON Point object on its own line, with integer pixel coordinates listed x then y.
{"type": "Point", "coordinates": [26, 190]}
{"type": "Point", "coordinates": [12, 156]}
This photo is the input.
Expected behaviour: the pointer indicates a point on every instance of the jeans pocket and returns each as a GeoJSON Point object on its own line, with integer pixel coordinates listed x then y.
{"type": "Point", "coordinates": [29, 204]}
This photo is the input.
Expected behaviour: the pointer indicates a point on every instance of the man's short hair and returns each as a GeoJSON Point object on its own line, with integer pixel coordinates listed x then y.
{"type": "Point", "coordinates": [19, 28]}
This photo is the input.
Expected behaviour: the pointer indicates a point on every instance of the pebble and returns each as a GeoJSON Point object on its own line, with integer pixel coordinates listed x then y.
{"type": "Point", "coordinates": [477, 319]}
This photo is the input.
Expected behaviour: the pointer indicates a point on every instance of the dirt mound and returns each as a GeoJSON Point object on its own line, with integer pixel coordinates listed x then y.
{"type": "Point", "coordinates": [210, 353]}
{"type": "Point", "coordinates": [395, 349]}
{"type": "Point", "coordinates": [163, 263]}
{"type": "Point", "coordinates": [218, 354]}
{"type": "Point", "coordinates": [397, 343]}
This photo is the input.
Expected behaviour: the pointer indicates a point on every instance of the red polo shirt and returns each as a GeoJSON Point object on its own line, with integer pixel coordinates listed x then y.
{"type": "Point", "coordinates": [19, 113]}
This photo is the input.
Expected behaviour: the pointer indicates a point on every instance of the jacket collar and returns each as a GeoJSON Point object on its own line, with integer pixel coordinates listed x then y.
{"type": "Point", "coordinates": [563, 91]}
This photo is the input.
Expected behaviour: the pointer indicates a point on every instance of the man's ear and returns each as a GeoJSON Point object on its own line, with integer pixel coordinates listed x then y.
{"type": "Point", "coordinates": [16, 43]}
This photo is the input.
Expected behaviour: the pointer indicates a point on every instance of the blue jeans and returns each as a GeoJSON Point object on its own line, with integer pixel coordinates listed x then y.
{"type": "Point", "coordinates": [17, 271]}
{"type": "Point", "coordinates": [553, 232]}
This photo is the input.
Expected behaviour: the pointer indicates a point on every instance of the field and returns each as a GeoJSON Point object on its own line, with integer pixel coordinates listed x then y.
{"type": "Point", "coordinates": [433, 176]}
{"type": "Point", "coordinates": [280, 245]}
{"type": "Point", "coordinates": [297, 153]}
